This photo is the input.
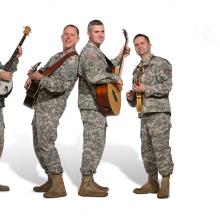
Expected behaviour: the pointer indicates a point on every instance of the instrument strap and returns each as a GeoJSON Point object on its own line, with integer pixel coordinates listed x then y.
{"type": "Point", "coordinates": [56, 65]}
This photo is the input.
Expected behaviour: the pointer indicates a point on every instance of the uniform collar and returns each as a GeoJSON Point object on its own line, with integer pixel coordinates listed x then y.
{"type": "Point", "coordinates": [146, 62]}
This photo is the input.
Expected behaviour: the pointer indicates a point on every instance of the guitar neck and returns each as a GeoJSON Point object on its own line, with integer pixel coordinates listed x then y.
{"type": "Point", "coordinates": [122, 58]}
{"type": "Point", "coordinates": [8, 65]}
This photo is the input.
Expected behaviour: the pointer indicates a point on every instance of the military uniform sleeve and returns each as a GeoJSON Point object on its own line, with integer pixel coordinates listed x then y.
{"type": "Point", "coordinates": [49, 63]}
{"type": "Point", "coordinates": [1, 66]}
{"type": "Point", "coordinates": [61, 80]}
{"type": "Point", "coordinates": [164, 81]}
{"type": "Point", "coordinates": [116, 61]}
{"type": "Point", "coordinates": [14, 65]}
{"type": "Point", "coordinates": [132, 103]}
{"type": "Point", "coordinates": [95, 72]}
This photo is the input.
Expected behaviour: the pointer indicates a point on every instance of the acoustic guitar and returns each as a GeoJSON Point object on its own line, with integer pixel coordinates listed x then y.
{"type": "Point", "coordinates": [32, 90]}
{"type": "Point", "coordinates": [34, 87]}
{"type": "Point", "coordinates": [5, 85]}
{"type": "Point", "coordinates": [138, 94]}
{"type": "Point", "coordinates": [108, 96]}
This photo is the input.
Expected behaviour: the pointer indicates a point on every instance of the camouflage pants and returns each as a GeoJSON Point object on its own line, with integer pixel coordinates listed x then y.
{"type": "Point", "coordinates": [94, 135]}
{"type": "Point", "coordinates": [155, 149]}
{"type": "Point", "coordinates": [2, 127]}
{"type": "Point", "coordinates": [44, 136]}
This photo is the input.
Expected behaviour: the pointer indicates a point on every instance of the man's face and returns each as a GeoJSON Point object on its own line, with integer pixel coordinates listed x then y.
{"type": "Point", "coordinates": [97, 34]}
{"type": "Point", "coordinates": [69, 38]}
{"type": "Point", "coordinates": [142, 46]}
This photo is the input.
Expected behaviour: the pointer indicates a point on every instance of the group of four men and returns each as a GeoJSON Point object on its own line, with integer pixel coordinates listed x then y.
{"type": "Point", "coordinates": [91, 67]}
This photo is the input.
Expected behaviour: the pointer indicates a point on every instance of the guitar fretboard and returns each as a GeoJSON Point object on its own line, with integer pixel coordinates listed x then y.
{"type": "Point", "coordinates": [8, 65]}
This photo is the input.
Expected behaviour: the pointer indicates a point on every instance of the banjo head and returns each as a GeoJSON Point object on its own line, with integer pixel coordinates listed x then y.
{"type": "Point", "coordinates": [5, 87]}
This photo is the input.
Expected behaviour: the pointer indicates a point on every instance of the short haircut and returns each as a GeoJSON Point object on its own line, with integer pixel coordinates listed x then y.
{"type": "Point", "coordinates": [94, 22]}
{"type": "Point", "coordinates": [73, 26]}
{"type": "Point", "coordinates": [142, 35]}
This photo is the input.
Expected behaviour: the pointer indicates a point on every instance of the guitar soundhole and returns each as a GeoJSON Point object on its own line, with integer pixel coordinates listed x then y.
{"type": "Point", "coordinates": [114, 95]}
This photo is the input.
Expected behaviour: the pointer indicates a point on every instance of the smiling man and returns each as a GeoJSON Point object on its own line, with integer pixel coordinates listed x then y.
{"type": "Point", "coordinates": [49, 107]}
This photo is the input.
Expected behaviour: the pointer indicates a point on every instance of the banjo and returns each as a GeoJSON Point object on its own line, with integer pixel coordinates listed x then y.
{"type": "Point", "coordinates": [5, 85]}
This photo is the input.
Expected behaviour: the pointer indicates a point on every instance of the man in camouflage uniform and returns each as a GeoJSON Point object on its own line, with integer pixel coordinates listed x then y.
{"type": "Point", "coordinates": [92, 72]}
{"type": "Point", "coordinates": [6, 76]}
{"type": "Point", "coordinates": [49, 107]}
{"type": "Point", "coordinates": [155, 74]}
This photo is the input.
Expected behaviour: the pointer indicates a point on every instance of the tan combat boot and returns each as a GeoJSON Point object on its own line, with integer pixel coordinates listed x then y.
{"type": "Point", "coordinates": [88, 188]}
{"type": "Point", "coordinates": [165, 188]}
{"type": "Point", "coordinates": [103, 188]}
{"type": "Point", "coordinates": [152, 186]}
{"type": "Point", "coordinates": [45, 187]}
{"type": "Point", "coordinates": [4, 188]}
{"type": "Point", "coordinates": [57, 188]}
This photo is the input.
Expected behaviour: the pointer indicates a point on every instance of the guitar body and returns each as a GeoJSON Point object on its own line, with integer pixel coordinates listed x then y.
{"type": "Point", "coordinates": [138, 102]}
{"type": "Point", "coordinates": [108, 99]}
{"type": "Point", "coordinates": [108, 96]}
{"type": "Point", "coordinates": [31, 94]}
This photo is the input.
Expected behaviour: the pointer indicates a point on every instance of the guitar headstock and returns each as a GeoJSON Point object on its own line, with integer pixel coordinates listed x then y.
{"type": "Point", "coordinates": [35, 66]}
{"type": "Point", "coordinates": [125, 34]}
{"type": "Point", "coordinates": [27, 30]}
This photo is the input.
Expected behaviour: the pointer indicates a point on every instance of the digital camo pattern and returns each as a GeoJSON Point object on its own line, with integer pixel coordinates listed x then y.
{"type": "Point", "coordinates": [55, 89]}
{"type": "Point", "coordinates": [93, 71]}
{"type": "Point", "coordinates": [49, 107]}
{"type": "Point", "coordinates": [157, 79]}
{"type": "Point", "coordinates": [13, 66]}
{"type": "Point", "coordinates": [155, 115]}
{"type": "Point", "coordinates": [155, 149]}
{"type": "Point", "coordinates": [94, 136]}
{"type": "Point", "coordinates": [44, 136]}
{"type": "Point", "coordinates": [2, 126]}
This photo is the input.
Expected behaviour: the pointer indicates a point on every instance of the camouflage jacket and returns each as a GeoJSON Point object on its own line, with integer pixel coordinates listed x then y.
{"type": "Point", "coordinates": [156, 75]}
{"type": "Point", "coordinates": [13, 69]}
{"type": "Point", "coordinates": [55, 89]}
{"type": "Point", "coordinates": [93, 71]}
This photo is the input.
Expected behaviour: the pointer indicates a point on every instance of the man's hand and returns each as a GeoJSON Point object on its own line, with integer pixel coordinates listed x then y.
{"type": "Point", "coordinates": [119, 84]}
{"type": "Point", "coordinates": [6, 75]}
{"type": "Point", "coordinates": [138, 87]}
{"type": "Point", "coordinates": [130, 95]}
{"type": "Point", "coordinates": [20, 51]}
{"type": "Point", "coordinates": [27, 84]}
{"type": "Point", "coordinates": [35, 75]}
{"type": "Point", "coordinates": [126, 52]}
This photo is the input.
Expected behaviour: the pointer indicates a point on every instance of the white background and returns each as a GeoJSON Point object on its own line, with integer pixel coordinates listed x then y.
{"type": "Point", "coordinates": [187, 34]}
